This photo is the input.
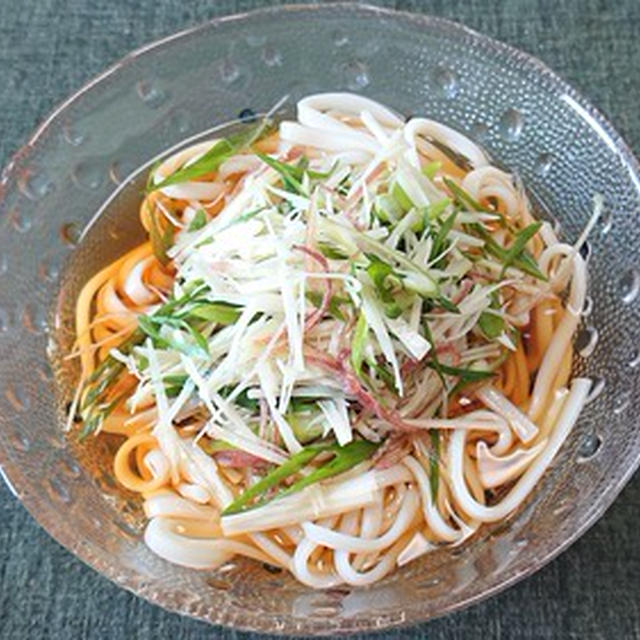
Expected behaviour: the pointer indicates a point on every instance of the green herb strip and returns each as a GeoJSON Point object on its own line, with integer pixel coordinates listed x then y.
{"type": "Point", "coordinates": [434, 463]}
{"type": "Point", "coordinates": [358, 342]}
{"type": "Point", "coordinates": [466, 375]}
{"type": "Point", "coordinates": [517, 248]}
{"type": "Point", "coordinates": [344, 459]}
{"type": "Point", "coordinates": [161, 241]}
{"type": "Point", "coordinates": [491, 325]}
{"type": "Point", "coordinates": [219, 153]}
{"type": "Point", "coordinates": [378, 271]}
{"type": "Point", "coordinates": [151, 325]}
{"type": "Point", "coordinates": [435, 210]}
{"type": "Point", "coordinates": [524, 261]}
{"type": "Point", "coordinates": [217, 312]}
{"type": "Point", "coordinates": [447, 305]}
{"type": "Point", "coordinates": [293, 175]}
{"type": "Point", "coordinates": [287, 173]}
{"type": "Point", "coordinates": [464, 199]}
{"type": "Point", "coordinates": [335, 303]}
{"type": "Point", "coordinates": [199, 220]}
{"type": "Point", "coordinates": [431, 169]}
{"type": "Point", "coordinates": [440, 238]}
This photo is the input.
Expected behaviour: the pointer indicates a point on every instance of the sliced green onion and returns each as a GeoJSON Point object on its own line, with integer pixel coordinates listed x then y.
{"type": "Point", "coordinates": [217, 312]}
{"type": "Point", "coordinates": [199, 220]}
{"type": "Point", "coordinates": [491, 325]}
{"type": "Point", "coordinates": [344, 459]}
{"type": "Point", "coordinates": [434, 210]}
{"type": "Point", "coordinates": [431, 169]}
{"type": "Point", "coordinates": [524, 262]}
{"type": "Point", "coordinates": [520, 241]}
{"type": "Point", "coordinates": [288, 173]}
{"type": "Point", "coordinates": [440, 239]}
{"type": "Point", "coordinates": [434, 463]}
{"type": "Point", "coordinates": [401, 197]}
{"type": "Point", "coordinates": [465, 375]}
{"type": "Point", "coordinates": [358, 343]}
{"type": "Point", "coordinates": [161, 241]}
{"type": "Point", "coordinates": [219, 153]}
{"type": "Point", "coordinates": [463, 198]}
{"type": "Point", "coordinates": [386, 208]}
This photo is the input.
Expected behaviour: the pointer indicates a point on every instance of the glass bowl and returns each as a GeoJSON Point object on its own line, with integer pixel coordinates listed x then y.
{"type": "Point", "coordinates": [528, 119]}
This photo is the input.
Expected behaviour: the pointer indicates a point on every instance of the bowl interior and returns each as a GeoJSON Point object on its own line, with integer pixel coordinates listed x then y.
{"type": "Point", "coordinates": [528, 120]}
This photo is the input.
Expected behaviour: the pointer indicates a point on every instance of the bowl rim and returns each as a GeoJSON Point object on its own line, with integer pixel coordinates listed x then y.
{"type": "Point", "coordinates": [11, 474]}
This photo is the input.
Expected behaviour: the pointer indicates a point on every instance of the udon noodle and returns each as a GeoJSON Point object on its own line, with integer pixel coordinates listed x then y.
{"type": "Point", "coordinates": [346, 343]}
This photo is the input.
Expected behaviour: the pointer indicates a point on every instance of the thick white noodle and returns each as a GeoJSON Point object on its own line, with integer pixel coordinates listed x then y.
{"type": "Point", "coordinates": [311, 108]}
{"type": "Point", "coordinates": [357, 578]}
{"type": "Point", "coordinates": [496, 400]}
{"type": "Point", "coordinates": [134, 285]}
{"type": "Point", "coordinates": [327, 139]}
{"type": "Point", "coordinates": [275, 551]}
{"type": "Point", "coordinates": [300, 566]}
{"type": "Point", "coordinates": [487, 182]}
{"type": "Point", "coordinates": [370, 527]}
{"type": "Point", "coordinates": [494, 470]}
{"type": "Point", "coordinates": [570, 412]}
{"type": "Point", "coordinates": [157, 463]}
{"type": "Point", "coordinates": [203, 191]}
{"type": "Point", "coordinates": [170, 505]}
{"type": "Point", "coordinates": [238, 164]}
{"type": "Point", "coordinates": [432, 515]}
{"type": "Point", "coordinates": [300, 563]}
{"type": "Point", "coordinates": [357, 544]}
{"type": "Point", "coordinates": [476, 420]}
{"type": "Point", "coordinates": [446, 136]}
{"type": "Point", "coordinates": [169, 538]}
{"type": "Point", "coordinates": [561, 338]}
{"type": "Point", "coordinates": [194, 492]}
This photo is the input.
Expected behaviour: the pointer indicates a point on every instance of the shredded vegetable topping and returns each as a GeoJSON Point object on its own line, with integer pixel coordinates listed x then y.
{"type": "Point", "coordinates": [344, 339]}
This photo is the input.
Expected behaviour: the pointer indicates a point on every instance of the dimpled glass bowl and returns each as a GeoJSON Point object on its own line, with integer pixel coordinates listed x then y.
{"type": "Point", "coordinates": [528, 119]}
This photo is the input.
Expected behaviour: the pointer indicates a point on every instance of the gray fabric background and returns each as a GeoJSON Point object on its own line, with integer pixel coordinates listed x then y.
{"type": "Point", "coordinates": [49, 48]}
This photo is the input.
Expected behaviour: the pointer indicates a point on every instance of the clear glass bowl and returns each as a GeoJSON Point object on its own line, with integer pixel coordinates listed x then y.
{"type": "Point", "coordinates": [528, 119]}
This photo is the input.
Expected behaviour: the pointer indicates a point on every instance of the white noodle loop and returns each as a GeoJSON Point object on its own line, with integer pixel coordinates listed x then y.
{"type": "Point", "coordinates": [570, 412]}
